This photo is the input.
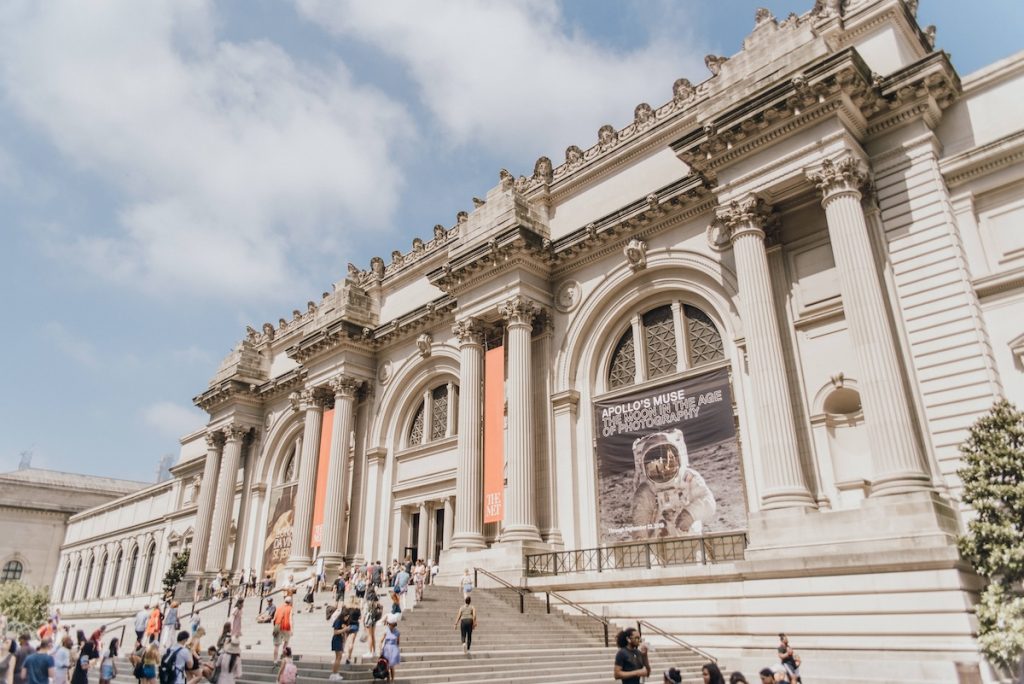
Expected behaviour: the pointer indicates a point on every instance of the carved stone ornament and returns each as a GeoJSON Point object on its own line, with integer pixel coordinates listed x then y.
{"type": "Point", "coordinates": [762, 15]}
{"type": "Point", "coordinates": [683, 91]}
{"type": "Point", "coordinates": [519, 310]}
{"type": "Point", "coordinates": [739, 217]}
{"type": "Point", "coordinates": [439, 232]}
{"type": "Point", "coordinates": [636, 254]}
{"type": "Point", "coordinates": [607, 136]}
{"type": "Point", "coordinates": [827, 8]}
{"type": "Point", "coordinates": [543, 171]}
{"type": "Point", "coordinates": [424, 342]}
{"type": "Point", "coordinates": [197, 482]}
{"type": "Point", "coordinates": [461, 217]}
{"type": "Point", "coordinates": [718, 236]}
{"type": "Point", "coordinates": [568, 296]}
{"type": "Point", "coordinates": [384, 372]}
{"type": "Point", "coordinates": [250, 334]}
{"type": "Point", "coordinates": [417, 245]}
{"type": "Point", "coordinates": [214, 439]}
{"type": "Point", "coordinates": [522, 184]}
{"type": "Point", "coordinates": [929, 35]}
{"type": "Point", "coordinates": [714, 63]}
{"type": "Point", "coordinates": [396, 256]}
{"type": "Point", "coordinates": [468, 331]}
{"type": "Point", "coordinates": [573, 156]}
{"type": "Point", "coordinates": [344, 385]}
{"type": "Point", "coordinates": [377, 266]}
{"type": "Point", "coordinates": [643, 115]}
{"type": "Point", "coordinates": [303, 400]}
{"type": "Point", "coordinates": [311, 307]}
{"type": "Point", "coordinates": [235, 432]}
{"type": "Point", "coordinates": [846, 175]}
{"type": "Point", "coordinates": [296, 315]}
{"type": "Point", "coordinates": [268, 330]}
{"type": "Point", "coordinates": [281, 324]}
{"type": "Point", "coordinates": [505, 179]}
{"type": "Point", "coordinates": [353, 270]}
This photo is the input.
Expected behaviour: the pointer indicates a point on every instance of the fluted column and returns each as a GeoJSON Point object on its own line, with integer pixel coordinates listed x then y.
{"type": "Point", "coordinates": [784, 482]}
{"type": "Point", "coordinates": [221, 528]}
{"type": "Point", "coordinates": [344, 388]}
{"type": "Point", "coordinates": [896, 455]}
{"type": "Point", "coordinates": [421, 540]}
{"type": "Point", "coordinates": [469, 479]}
{"type": "Point", "coordinates": [449, 524]}
{"type": "Point", "coordinates": [521, 508]}
{"type": "Point", "coordinates": [204, 508]}
{"type": "Point", "coordinates": [307, 402]}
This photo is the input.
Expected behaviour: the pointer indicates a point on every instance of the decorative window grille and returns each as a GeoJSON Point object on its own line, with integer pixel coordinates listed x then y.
{"type": "Point", "coordinates": [12, 571]}
{"type": "Point", "coordinates": [705, 341]}
{"type": "Point", "coordinates": [416, 432]}
{"type": "Point", "coordinates": [623, 368]}
{"type": "Point", "coordinates": [660, 338]}
{"type": "Point", "coordinates": [133, 564]}
{"type": "Point", "coordinates": [439, 412]}
{"type": "Point", "coordinates": [88, 578]}
{"type": "Point", "coordinates": [289, 470]}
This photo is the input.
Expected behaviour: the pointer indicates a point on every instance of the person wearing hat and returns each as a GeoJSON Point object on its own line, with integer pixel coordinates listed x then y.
{"type": "Point", "coordinates": [672, 676]}
{"type": "Point", "coordinates": [391, 651]}
{"type": "Point", "coordinates": [230, 663]}
{"type": "Point", "coordinates": [282, 625]}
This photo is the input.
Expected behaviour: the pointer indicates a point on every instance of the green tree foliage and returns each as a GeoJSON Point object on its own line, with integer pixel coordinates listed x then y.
{"type": "Point", "coordinates": [993, 478]}
{"type": "Point", "coordinates": [24, 606]}
{"type": "Point", "coordinates": [175, 573]}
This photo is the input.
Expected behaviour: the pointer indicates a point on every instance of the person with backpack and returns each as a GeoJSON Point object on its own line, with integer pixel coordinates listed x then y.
{"type": "Point", "coordinates": [288, 672]}
{"type": "Point", "coordinates": [374, 612]}
{"type": "Point", "coordinates": [176, 662]}
{"type": "Point", "coordinates": [282, 625]}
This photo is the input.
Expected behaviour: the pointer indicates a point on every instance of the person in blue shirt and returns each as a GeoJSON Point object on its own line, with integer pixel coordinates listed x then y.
{"type": "Point", "coordinates": [38, 668]}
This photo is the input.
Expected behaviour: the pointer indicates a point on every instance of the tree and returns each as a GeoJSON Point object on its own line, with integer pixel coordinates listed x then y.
{"type": "Point", "coordinates": [174, 574]}
{"type": "Point", "coordinates": [993, 479]}
{"type": "Point", "coordinates": [24, 606]}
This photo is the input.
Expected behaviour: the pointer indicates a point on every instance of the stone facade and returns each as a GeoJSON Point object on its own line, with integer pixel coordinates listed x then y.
{"type": "Point", "coordinates": [833, 217]}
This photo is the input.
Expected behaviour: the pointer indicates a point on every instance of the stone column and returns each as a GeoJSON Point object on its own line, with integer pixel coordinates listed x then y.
{"type": "Point", "coordinates": [784, 483]}
{"type": "Point", "coordinates": [311, 405]}
{"type": "Point", "coordinates": [221, 528]}
{"type": "Point", "coordinates": [449, 524]}
{"type": "Point", "coordinates": [469, 479]}
{"type": "Point", "coordinates": [521, 508]}
{"type": "Point", "coordinates": [896, 455]}
{"type": "Point", "coordinates": [421, 541]}
{"type": "Point", "coordinates": [204, 509]}
{"type": "Point", "coordinates": [331, 550]}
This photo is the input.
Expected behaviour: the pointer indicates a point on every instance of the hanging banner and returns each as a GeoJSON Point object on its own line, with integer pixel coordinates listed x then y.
{"type": "Point", "coordinates": [494, 435]}
{"type": "Point", "coordinates": [322, 464]}
{"type": "Point", "coordinates": [668, 461]}
{"type": "Point", "coordinates": [277, 541]}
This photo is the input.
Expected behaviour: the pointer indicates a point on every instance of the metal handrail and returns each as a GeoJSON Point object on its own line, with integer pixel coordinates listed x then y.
{"type": "Point", "coordinates": [640, 624]}
{"type": "Point", "coordinates": [504, 583]}
{"type": "Point", "coordinates": [264, 597]}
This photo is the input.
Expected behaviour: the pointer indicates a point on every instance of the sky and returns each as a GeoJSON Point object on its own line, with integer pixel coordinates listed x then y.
{"type": "Point", "coordinates": [173, 171]}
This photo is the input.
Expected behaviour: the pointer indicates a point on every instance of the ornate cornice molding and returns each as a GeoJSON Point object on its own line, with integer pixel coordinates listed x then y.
{"type": "Point", "coordinates": [516, 247]}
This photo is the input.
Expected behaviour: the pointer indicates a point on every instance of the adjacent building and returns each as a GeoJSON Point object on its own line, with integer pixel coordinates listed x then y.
{"type": "Point", "coordinates": [711, 370]}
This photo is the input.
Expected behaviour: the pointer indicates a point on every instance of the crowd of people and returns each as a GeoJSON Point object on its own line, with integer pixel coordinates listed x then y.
{"type": "Point", "coordinates": [632, 664]}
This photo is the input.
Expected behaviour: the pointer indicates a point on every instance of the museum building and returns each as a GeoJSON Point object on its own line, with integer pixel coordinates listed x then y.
{"type": "Point", "coordinates": [711, 371]}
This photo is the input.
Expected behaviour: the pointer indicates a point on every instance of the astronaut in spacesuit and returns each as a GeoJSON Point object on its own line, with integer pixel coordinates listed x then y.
{"type": "Point", "coordinates": [669, 497]}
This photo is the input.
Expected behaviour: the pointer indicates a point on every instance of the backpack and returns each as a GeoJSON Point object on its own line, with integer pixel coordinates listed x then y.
{"type": "Point", "coordinates": [288, 673]}
{"type": "Point", "coordinates": [168, 673]}
{"type": "Point", "coordinates": [380, 670]}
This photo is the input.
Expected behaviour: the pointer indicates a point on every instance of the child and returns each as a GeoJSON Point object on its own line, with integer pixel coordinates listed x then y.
{"type": "Point", "coordinates": [288, 672]}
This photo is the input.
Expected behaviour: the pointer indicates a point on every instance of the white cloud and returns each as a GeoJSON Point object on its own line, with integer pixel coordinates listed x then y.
{"type": "Point", "coordinates": [172, 420]}
{"type": "Point", "coordinates": [514, 76]}
{"type": "Point", "coordinates": [228, 158]}
{"type": "Point", "coordinates": [73, 346]}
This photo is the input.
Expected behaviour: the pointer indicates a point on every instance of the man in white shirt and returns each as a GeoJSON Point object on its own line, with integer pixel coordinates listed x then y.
{"type": "Point", "coordinates": [141, 618]}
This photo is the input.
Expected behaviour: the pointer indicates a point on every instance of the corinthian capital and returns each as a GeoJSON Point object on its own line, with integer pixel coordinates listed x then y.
{"type": "Point", "coordinates": [846, 175]}
{"type": "Point", "coordinates": [214, 439]}
{"type": "Point", "coordinates": [234, 432]}
{"type": "Point", "coordinates": [519, 310]}
{"type": "Point", "coordinates": [344, 385]}
{"type": "Point", "coordinates": [745, 216]}
{"type": "Point", "coordinates": [305, 399]}
{"type": "Point", "coordinates": [469, 331]}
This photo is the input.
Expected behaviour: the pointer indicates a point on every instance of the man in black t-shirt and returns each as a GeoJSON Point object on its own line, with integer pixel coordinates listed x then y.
{"type": "Point", "coordinates": [631, 661]}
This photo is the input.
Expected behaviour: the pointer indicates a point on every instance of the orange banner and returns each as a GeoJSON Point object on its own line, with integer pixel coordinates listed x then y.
{"type": "Point", "coordinates": [323, 462]}
{"type": "Point", "coordinates": [494, 435]}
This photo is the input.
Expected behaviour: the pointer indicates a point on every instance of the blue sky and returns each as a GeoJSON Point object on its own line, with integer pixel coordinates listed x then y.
{"type": "Point", "coordinates": [171, 172]}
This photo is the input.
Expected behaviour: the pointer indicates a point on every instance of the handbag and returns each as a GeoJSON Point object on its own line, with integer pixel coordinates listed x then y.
{"type": "Point", "coordinates": [215, 675]}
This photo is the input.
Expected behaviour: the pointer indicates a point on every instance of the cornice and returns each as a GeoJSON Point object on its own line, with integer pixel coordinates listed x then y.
{"type": "Point", "coordinates": [231, 390]}
{"type": "Point", "coordinates": [983, 160]}
{"type": "Point", "coordinates": [517, 246]}
{"type": "Point", "coordinates": [998, 283]}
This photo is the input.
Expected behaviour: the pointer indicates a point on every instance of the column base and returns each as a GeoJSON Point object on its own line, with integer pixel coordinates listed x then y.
{"type": "Point", "coordinates": [468, 541]}
{"type": "Point", "coordinates": [553, 537]}
{"type": "Point", "coordinates": [900, 483]}
{"type": "Point", "coordinates": [332, 563]}
{"type": "Point", "coordinates": [787, 498]}
{"type": "Point", "coordinates": [520, 533]}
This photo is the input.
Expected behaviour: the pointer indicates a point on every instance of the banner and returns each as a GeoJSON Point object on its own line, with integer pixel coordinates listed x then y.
{"type": "Point", "coordinates": [494, 435]}
{"type": "Point", "coordinates": [277, 541]}
{"type": "Point", "coordinates": [668, 461]}
{"type": "Point", "coordinates": [322, 464]}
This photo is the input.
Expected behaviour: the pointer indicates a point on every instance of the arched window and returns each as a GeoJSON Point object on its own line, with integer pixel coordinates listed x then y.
{"type": "Point", "coordinates": [12, 571]}
{"type": "Point", "coordinates": [289, 470]}
{"type": "Point", "coordinates": [64, 584]}
{"type": "Point", "coordinates": [676, 337]}
{"type": "Point", "coordinates": [103, 576]}
{"type": "Point", "coordinates": [78, 576]}
{"type": "Point", "coordinates": [117, 572]}
{"type": "Point", "coordinates": [133, 564]}
{"type": "Point", "coordinates": [435, 417]}
{"type": "Point", "coordinates": [88, 578]}
{"type": "Point", "coordinates": [150, 561]}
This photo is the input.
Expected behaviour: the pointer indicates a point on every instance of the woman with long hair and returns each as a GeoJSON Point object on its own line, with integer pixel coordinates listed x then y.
{"type": "Point", "coordinates": [150, 663]}
{"type": "Point", "coordinates": [711, 674]}
{"type": "Point", "coordinates": [236, 619]}
{"type": "Point", "coordinates": [230, 663]}
{"type": "Point", "coordinates": [88, 652]}
{"type": "Point", "coordinates": [108, 664]}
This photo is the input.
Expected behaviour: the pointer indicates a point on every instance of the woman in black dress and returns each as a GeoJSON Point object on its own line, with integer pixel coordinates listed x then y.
{"type": "Point", "coordinates": [89, 653]}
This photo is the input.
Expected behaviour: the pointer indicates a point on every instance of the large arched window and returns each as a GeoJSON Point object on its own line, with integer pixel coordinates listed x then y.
{"type": "Point", "coordinates": [133, 564]}
{"type": "Point", "coordinates": [12, 571]}
{"type": "Point", "coordinates": [676, 337]}
{"type": "Point", "coordinates": [103, 576]}
{"type": "Point", "coordinates": [88, 578]}
{"type": "Point", "coordinates": [78, 576]}
{"type": "Point", "coordinates": [64, 584]}
{"type": "Point", "coordinates": [150, 562]}
{"type": "Point", "coordinates": [117, 572]}
{"type": "Point", "coordinates": [435, 417]}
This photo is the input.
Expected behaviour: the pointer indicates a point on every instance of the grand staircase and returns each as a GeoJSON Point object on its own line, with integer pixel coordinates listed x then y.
{"type": "Point", "coordinates": [508, 646]}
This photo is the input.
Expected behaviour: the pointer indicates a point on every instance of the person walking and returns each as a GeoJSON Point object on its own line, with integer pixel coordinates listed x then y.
{"type": "Point", "coordinates": [150, 662]}
{"type": "Point", "coordinates": [230, 663]}
{"type": "Point", "coordinates": [180, 659]}
{"type": "Point", "coordinates": [466, 583]}
{"type": "Point", "coordinates": [225, 637]}
{"type": "Point", "coordinates": [465, 622]}
{"type": "Point", "coordinates": [108, 662]}
{"type": "Point", "coordinates": [374, 612]}
{"type": "Point", "coordinates": [282, 625]}
{"type": "Point", "coordinates": [21, 653]}
{"type": "Point", "coordinates": [141, 619]}
{"type": "Point", "coordinates": [392, 649]}
{"type": "Point", "coordinates": [87, 653]}
{"type": "Point", "coordinates": [339, 630]}
{"type": "Point", "coordinates": [153, 625]}
{"type": "Point", "coordinates": [711, 674]}
{"type": "Point", "coordinates": [236, 619]}
{"type": "Point", "coordinates": [288, 673]}
{"type": "Point", "coordinates": [62, 660]}
{"type": "Point", "coordinates": [419, 578]}
{"type": "Point", "coordinates": [309, 598]}
{"type": "Point", "coordinates": [355, 617]}
{"type": "Point", "coordinates": [631, 662]}
{"type": "Point", "coordinates": [38, 668]}
{"type": "Point", "coordinates": [171, 625]}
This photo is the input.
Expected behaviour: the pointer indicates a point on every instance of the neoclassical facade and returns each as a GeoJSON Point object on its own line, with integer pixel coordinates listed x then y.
{"type": "Point", "coordinates": [763, 314]}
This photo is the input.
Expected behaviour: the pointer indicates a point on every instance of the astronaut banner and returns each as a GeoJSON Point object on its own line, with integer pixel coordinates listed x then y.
{"type": "Point", "coordinates": [668, 461]}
